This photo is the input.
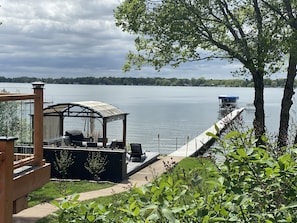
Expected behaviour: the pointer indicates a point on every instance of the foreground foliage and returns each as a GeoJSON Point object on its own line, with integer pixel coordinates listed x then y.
{"type": "Point", "coordinates": [251, 184]}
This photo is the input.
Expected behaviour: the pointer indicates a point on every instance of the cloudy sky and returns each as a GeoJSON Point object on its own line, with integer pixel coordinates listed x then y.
{"type": "Point", "coordinates": [74, 38]}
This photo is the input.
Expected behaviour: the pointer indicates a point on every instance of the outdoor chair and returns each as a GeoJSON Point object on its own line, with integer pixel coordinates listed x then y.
{"type": "Point", "coordinates": [117, 145]}
{"type": "Point", "coordinates": [76, 137]}
{"type": "Point", "coordinates": [136, 151]}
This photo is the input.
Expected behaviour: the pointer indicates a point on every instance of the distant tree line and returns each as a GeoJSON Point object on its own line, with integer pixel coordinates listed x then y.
{"type": "Point", "coordinates": [156, 81]}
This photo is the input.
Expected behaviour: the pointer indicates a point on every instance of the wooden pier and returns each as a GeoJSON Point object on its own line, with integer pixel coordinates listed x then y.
{"type": "Point", "coordinates": [199, 143]}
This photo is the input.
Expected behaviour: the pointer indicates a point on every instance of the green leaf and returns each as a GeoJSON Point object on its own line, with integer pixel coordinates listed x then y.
{"type": "Point", "coordinates": [136, 211]}
{"type": "Point", "coordinates": [75, 197]}
{"type": "Point", "coordinates": [218, 219]}
{"type": "Point", "coordinates": [91, 218]}
{"type": "Point", "coordinates": [55, 203]}
{"type": "Point", "coordinates": [249, 151]}
{"type": "Point", "coordinates": [291, 205]}
{"type": "Point", "coordinates": [133, 205]}
{"type": "Point", "coordinates": [242, 153]}
{"type": "Point", "coordinates": [268, 171]}
{"type": "Point", "coordinates": [212, 135]}
{"type": "Point", "coordinates": [139, 190]}
{"type": "Point", "coordinates": [232, 134]}
{"type": "Point", "coordinates": [153, 217]}
{"type": "Point", "coordinates": [217, 128]}
{"type": "Point", "coordinates": [65, 205]}
{"type": "Point", "coordinates": [168, 215]}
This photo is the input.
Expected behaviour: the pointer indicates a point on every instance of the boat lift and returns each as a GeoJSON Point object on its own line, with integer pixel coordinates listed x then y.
{"type": "Point", "coordinates": [227, 101]}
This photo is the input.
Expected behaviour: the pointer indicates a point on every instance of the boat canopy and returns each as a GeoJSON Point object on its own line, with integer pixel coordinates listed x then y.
{"type": "Point", "coordinates": [84, 109]}
{"type": "Point", "coordinates": [228, 98]}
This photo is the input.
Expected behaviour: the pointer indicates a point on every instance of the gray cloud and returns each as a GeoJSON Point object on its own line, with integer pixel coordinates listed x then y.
{"type": "Point", "coordinates": [74, 38]}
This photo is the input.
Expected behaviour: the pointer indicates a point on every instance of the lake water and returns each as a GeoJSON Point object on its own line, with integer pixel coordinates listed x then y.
{"type": "Point", "coordinates": [160, 118]}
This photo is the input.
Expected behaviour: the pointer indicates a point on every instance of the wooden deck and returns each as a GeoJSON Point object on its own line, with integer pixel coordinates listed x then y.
{"type": "Point", "coordinates": [27, 179]}
{"type": "Point", "coordinates": [134, 166]}
{"type": "Point", "coordinates": [202, 141]}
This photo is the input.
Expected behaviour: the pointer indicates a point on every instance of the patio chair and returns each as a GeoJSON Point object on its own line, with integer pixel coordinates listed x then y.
{"type": "Point", "coordinates": [76, 137]}
{"type": "Point", "coordinates": [136, 151]}
{"type": "Point", "coordinates": [117, 145]}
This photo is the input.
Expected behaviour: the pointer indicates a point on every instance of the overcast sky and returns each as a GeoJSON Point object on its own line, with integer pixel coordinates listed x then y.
{"type": "Point", "coordinates": [74, 38]}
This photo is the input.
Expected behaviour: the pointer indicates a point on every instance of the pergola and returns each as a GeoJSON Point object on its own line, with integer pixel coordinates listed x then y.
{"type": "Point", "coordinates": [86, 109]}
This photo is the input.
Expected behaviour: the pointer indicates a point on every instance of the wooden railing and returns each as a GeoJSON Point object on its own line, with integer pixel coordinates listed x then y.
{"type": "Point", "coordinates": [28, 161]}
{"type": "Point", "coordinates": [6, 179]}
{"type": "Point", "coordinates": [14, 189]}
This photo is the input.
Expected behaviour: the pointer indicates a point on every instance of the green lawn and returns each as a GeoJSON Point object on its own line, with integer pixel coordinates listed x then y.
{"type": "Point", "coordinates": [55, 189]}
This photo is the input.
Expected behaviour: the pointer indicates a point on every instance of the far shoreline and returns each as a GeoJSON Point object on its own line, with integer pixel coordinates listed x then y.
{"type": "Point", "coordinates": [148, 81]}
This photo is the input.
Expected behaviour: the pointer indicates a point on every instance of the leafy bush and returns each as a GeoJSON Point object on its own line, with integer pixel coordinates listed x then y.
{"type": "Point", "coordinates": [62, 163]}
{"type": "Point", "coordinates": [251, 184]}
{"type": "Point", "coordinates": [74, 211]}
{"type": "Point", "coordinates": [259, 182]}
{"type": "Point", "coordinates": [95, 164]}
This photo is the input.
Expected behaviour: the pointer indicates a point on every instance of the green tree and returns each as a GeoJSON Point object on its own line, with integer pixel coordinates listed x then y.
{"type": "Point", "coordinates": [286, 17]}
{"type": "Point", "coordinates": [176, 31]}
{"type": "Point", "coordinates": [9, 120]}
{"type": "Point", "coordinates": [12, 120]}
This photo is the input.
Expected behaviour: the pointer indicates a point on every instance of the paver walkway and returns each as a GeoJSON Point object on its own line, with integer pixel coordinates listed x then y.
{"type": "Point", "coordinates": [33, 214]}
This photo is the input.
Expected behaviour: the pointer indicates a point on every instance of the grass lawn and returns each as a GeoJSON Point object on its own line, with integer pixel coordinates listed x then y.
{"type": "Point", "coordinates": [55, 189]}
{"type": "Point", "coordinates": [192, 162]}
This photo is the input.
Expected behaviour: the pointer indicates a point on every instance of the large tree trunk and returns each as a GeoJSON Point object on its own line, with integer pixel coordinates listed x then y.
{"type": "Point", "coordinates": [291, 74]}
{"type": "Point", "coordinates": [287, 101]}
{"type": "Point", "coordinates": [259, 121]}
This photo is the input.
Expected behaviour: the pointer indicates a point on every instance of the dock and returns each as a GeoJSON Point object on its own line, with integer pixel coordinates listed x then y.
{"type": "Point", "coordinates": [145, 172]}
{"type": "Point", "coordinates": [196, 146]}
{"type": "Point", "coordinates": [134, 167]}
{"type": "Point", "coordinates": [202, 141]}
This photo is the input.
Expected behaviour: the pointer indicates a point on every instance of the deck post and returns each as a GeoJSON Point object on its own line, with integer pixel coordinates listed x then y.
{"type": "Point", "coordinates": [6, 178]}
{"type": "Point", "coordinates": [38, 121]}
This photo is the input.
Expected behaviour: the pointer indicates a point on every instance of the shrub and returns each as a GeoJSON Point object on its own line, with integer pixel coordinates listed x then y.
{"type": "Point", "coordinates": [95, 164]}
{"type": "Point", "coordinates": [251, 184]}
{"type": "Point", "coordinates": [62, 163]}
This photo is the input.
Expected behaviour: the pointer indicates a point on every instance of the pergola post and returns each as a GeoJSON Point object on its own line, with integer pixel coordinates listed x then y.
{"type": "Point", "coordinates": [61, 120]}
{"type": "Point", "coordinates": [6, 178]}
{"type": "Point", "coordinates": [124, 130]}
{"type": "Point", "coordinates": [104, 132]}
{"type": "Point", "coordinates": [38, 121]}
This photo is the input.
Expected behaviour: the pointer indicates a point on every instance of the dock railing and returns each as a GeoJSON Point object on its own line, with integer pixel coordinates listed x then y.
{"type": "Point", "coordinates": [193, 147]}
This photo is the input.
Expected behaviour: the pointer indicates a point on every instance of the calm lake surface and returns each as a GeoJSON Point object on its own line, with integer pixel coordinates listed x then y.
{"type": "Point", "coordinates": [160, 118]}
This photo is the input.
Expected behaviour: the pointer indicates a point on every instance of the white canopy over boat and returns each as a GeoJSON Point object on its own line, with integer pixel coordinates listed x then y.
{"type": "Point", "coordinates": [227, 101]}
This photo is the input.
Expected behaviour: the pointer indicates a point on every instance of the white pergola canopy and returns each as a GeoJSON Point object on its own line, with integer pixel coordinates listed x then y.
{"type": "Point", "coordinates": [88, 109]}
